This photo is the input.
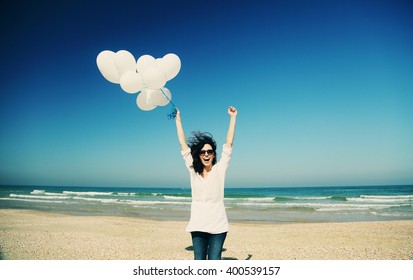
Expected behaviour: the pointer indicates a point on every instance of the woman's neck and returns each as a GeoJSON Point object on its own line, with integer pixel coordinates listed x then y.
{"type": "Point", "coordinates": [207, 169]}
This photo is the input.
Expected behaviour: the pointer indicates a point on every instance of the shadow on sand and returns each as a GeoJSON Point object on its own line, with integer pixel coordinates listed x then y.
{"type": "Point", "coordinates": [191, 248]}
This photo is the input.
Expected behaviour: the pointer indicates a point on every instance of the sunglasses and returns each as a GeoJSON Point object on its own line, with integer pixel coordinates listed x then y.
{"type": "Point", "coordinates": [203, 152]}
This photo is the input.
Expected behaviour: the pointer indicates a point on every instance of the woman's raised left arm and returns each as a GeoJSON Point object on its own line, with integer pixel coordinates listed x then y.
{"type": "Point", "coordinates": [232, 112]}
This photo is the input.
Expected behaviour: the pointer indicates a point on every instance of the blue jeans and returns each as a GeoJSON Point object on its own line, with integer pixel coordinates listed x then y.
{"type": "Point", "coordinates": [207, 244]}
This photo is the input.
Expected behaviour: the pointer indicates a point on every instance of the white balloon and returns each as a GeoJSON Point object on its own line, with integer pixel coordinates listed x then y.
{"type": "Point", "coordinates": [124, 62]}
{"type": "Point", "coordinates": [158, 61]}
{"type": "Point", "coordinates": [131, 82]}
{"type": "Point", "coordinates": [143, 101]}
{"type": "Point", "coordinates": [154, 77]}
{"type": "Point", "coordinates": [170, 64]}
{"type": "Point", "coordinates": [156, 97]}
{"type": "Point", "coordinates": [144, 62]}
{"type": "Point", "coordinates": [106, 64]}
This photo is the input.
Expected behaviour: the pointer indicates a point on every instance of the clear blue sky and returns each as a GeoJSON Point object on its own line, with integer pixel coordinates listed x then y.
{"type": "Point", "coordinates": [324, 91]}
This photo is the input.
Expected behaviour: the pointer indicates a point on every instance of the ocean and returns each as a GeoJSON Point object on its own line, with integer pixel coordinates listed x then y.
{"type": "Point", "coordinates": [270, 205]}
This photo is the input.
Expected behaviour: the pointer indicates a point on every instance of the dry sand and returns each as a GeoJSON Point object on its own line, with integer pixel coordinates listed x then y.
{"type": "Point", "coordinates": [34, 235]}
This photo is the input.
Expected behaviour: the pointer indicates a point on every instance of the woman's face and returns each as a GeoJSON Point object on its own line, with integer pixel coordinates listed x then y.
{"type": "Point", "coordinates": [207, 155]}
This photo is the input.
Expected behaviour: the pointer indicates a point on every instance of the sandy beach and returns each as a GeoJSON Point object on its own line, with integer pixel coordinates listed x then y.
{"type": "Point", "coordinates": [34, 235]}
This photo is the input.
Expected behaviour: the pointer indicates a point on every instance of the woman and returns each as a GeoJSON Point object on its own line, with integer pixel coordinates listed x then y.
{"type": "Point", "coordinates": [208, 224]}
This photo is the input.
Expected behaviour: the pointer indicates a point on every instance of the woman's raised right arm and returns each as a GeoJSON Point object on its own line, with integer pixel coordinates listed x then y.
{"type": "Point", "coordinates": [180, 132]}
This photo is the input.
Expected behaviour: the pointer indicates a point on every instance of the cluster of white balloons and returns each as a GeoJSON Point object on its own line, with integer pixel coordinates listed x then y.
{"type": "Point", "coordinates": [147, 75]}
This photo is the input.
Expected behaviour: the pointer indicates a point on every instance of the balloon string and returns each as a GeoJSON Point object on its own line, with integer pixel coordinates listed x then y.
{"type": "Point", "coordinates": [167, 98]}
{"type": "Point", "coordinates": [172, 113]}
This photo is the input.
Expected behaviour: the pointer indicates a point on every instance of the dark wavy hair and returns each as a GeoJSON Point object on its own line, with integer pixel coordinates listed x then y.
{"type": "Point", "coordinates": [196, 143]}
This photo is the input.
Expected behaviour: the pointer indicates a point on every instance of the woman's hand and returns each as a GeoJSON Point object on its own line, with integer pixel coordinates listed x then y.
{"type": "Point", "coordinates": [178, 115]}
{"type": "Point", "coordinates": [232, 111]}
